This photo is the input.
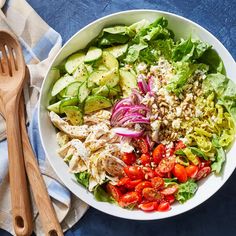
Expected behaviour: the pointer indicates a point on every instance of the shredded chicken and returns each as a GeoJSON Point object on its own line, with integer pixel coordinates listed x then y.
{"type": "Point", "coordinates": [91, 147]}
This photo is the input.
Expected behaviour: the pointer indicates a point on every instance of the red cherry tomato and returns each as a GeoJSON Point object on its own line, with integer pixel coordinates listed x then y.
{"type": "Point", "coordinates": [180, 173]}
{"type": "Point", "coordinates": [145, 159]}
{"type": "Point", "coordinates": [142, 145]}
{"type": "Point", "coordinates": [131, 184]}
{"type": "Point", "coordinates": [170, 190]}
{"type": "Point", "coordinates": [204, 164]}
{"type": "Point", "coordinates": [152, 195]}
{"type": "Point", "coordinates": [157, 182]}
{"type": "Point", "coordinates": [129, 198]}
{"type": "Point", "coordinates": [113, 191]}
{"type": "Point", "coordinates": [170, 198]}
{"type": "Point", "coordinates": [158, 173]}
{"type": "Point", "coordinates": [148, 206]}
{"type": "Point", "coordinates": [129, 158]}
{"type": "Point", "coordinates": [191, 171]}
{"type": "Point", "coordinates": [142, 185]}
{"type": "Point", "coordinates": [123, 181]}
{"type": "Point", "coordinates": [149, 173]}
{"type": "Point", "coordinates": [134, 172]}
{"type": "Point", "coordinates": [166, 164]}
{"type": "Point", "coordinates": [202, 173]}
{"type": "Point", "coordinates": [164, 206]}
{"type": "Point", "coordinates": [158, 153]}
{"type": "Point", "coordinates": [179, 145]}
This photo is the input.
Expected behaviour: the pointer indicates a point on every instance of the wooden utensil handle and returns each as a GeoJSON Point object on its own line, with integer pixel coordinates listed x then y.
{"type": "Point", "coordinates": [20, 200]}
{"type": "Point", "coordinates": [47, 213]}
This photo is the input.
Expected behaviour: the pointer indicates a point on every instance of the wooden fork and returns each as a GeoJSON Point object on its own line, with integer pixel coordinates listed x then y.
{"type": "Point", "coordinates": [12, 73]}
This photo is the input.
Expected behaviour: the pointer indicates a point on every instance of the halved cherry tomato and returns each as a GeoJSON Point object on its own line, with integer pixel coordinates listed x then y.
{"type": "Point", "coordinates": [148, 206]}
{"type": "Point", "coordinates": [128, 158]}
{"type": "Point", "coordinates": [152, 195]}
{"type": "Point", "coordinates": [191, 171]}
{"type": "Point", "coordinates": [202, 173]}
{"type": "Point", "coordinates": [157, 182]}
{"type": "Point", "coordinates": [142, 145]}
{"type": "Point", "coordinates": [179, 145]}
{"type": "Point", "coordinates": [204, 164]}
{"type": "Point", "coordinates": [180, 173]}
{"type": "Point", "coordinates": [170, 198]}
{"type": "Point", "coordinates": [114, 191]}
{"type": "Point", "coordinates": [134, 172]}
{"type": "Point", "coordinates": [158, 153]}
{"type": "Point", "coordinates": [166, 164]}
{"type": "Point", "coordinates": [123, 181]}
{"type": "Point", "coordinates": [149, 173]}
{"type": "Point", "coordinates": [170, 190]}
{"type": "Point", "coordinates": [129, 198]}
{"type": "Point", "coordinates": [131, 184]}
{"type": "Point", "coordinates": [164, 206]}
{"type": "Point", "coordinates": [158, 173]}
{"type": "Point", "coordinates": [142, 185]}
{"type": "Point", "coordinates": [145, 159]}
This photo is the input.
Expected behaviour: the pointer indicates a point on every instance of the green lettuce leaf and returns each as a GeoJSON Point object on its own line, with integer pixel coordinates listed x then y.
{"type": "Point", "coordinates": [133, 52]}
{"type": "Point", "coordinates": [101, 195]}
{"type": "Point", "coordinates": [156, 49]}
{"type": "Point", "coordinates": [211, 58]}
{"type": "Point", "coordinates": [183, 71]}
{"type": "Point", "coordinates": [186, 191]}
{"type": "Point", "coordinates": [220, 159]}
{"type": "Point", "coordinates": [189, 50]}
{"type": "Point", "coordinates": [83, 178]}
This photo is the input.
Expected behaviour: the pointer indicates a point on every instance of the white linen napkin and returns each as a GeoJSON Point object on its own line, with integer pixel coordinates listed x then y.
{"type": "Point", "coordinates": [40, 43]}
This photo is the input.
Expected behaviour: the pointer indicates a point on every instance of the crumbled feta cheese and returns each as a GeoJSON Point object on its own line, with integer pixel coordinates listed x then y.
{"type": "Point", "coordinates": [153, 69]}
{"type": "Point", "coordinates": [176, 124]}
{"type": "Point", "coordinates": [178, 111]}
{"type": "Point", "coordinates": [137, 127]}
{"type": "Point", "coordinates": [198, 112]}
{"type": "Point", "coordinates": [126, 147]}
{"type": "Point", "coordinates": [189, 96]}
{"type": "Point", "coordinates": [155, 125]}
{"type": "Point", "coordinates": [141, 67]}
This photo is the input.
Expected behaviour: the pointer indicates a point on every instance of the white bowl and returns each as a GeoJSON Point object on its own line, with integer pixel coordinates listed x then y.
{"type": "Point", "coordinates": [182, 27]}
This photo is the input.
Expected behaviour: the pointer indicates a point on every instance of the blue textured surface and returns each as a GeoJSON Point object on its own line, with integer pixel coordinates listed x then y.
{"type": "Point", "coordinates": [215, 217]}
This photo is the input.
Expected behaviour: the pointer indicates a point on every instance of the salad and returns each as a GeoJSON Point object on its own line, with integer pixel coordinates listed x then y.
{"type": "Point", "coordinates": [141, 117]}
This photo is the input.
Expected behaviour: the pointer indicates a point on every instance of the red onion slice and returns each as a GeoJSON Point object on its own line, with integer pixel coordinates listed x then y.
{"type": "Point", "coordinates": [128, 132]}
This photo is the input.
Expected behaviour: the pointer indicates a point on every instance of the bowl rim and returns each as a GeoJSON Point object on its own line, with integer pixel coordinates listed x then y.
{"type": "Point", "coordinates": [93, 203]}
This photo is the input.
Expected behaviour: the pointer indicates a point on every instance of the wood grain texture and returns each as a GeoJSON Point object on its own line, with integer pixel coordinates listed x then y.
{"type": "Point", "coordinates": [12, 75]}
{"type": "Point", "coordinates": [47, 214]}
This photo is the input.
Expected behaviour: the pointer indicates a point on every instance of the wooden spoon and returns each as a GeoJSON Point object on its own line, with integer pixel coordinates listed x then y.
{"type": "Point", "coordinates": [47, 214]}
{"type": "Point", "coordinates": [12, 73]}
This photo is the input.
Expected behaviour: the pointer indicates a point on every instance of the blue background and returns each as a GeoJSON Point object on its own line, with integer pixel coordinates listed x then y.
{"type": "Point", "coordinates": [215, 217]}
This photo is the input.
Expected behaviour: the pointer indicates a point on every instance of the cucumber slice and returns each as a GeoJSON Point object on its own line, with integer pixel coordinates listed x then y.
{"type": "Point", "coordinates": [73, 101]}
{"type": "Point", "coordinates": [93, 54]}
{"type": "Point", "coordinates": [55, 107]}
{"type": "Point", "coordinates": [61, 84]}
{"type": "Point", "coordinates": [74, 61]}
{"type": "Point", "coordinates": [89, 68]}
{"type": "Point", "coordinates": [128, 81]}
{"type": "Point", "coordinates": [109, 61]}
{"type": "Point", "coordinates": [72, 89]}
{"type": "Point", "coordinates": [102, 67]}
{"type": "Point", "coordinates": [109, 78]}
{"type": "Point", "coordinates": [117, 51]}
{"type": "Point", "coordinates": [84, 91]}
{"type": "Point", "coordinates": [74, 115]}
{"type": "Point", "coordinates": [81, 73]}
{"type": "Point", "coordinates": [102, 91]}
{"type": "Point", "coordinates": [96, 102]}
{"type": "Point", "coordinates": [115, 91]}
